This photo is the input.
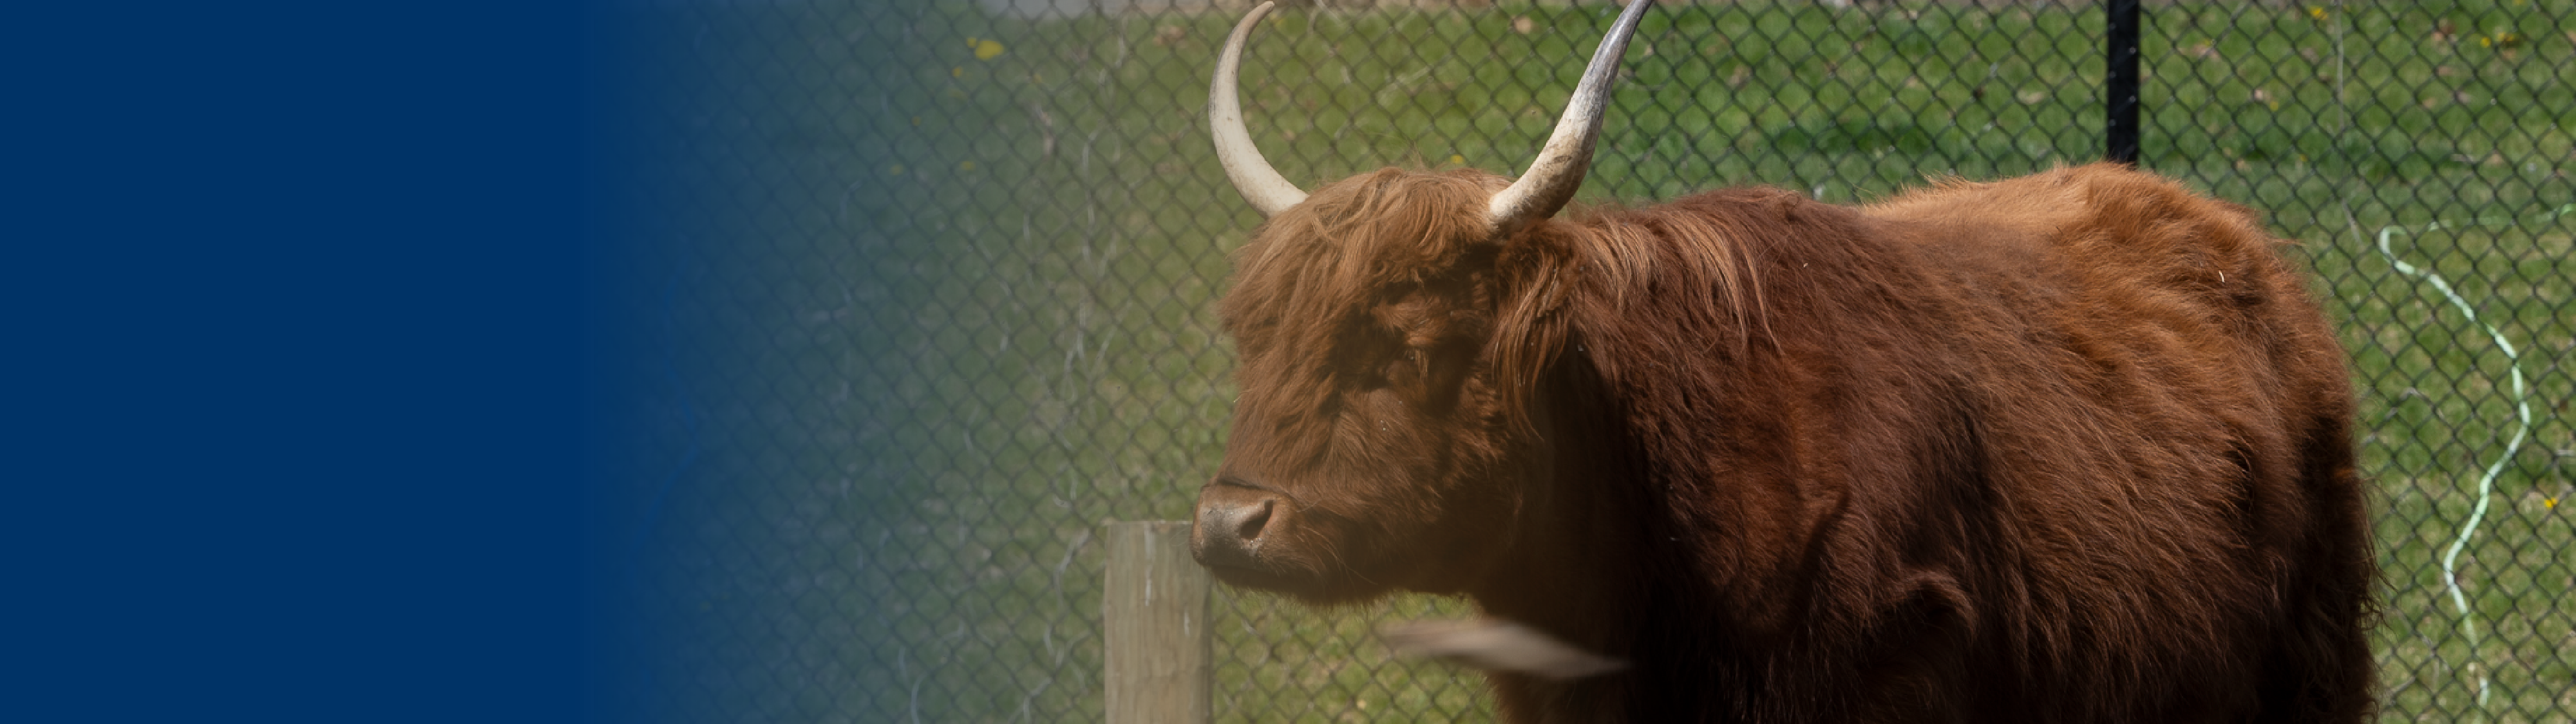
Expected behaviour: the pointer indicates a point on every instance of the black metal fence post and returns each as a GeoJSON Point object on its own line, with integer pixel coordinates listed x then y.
{"type": "Point", "coordinates": [2121, 95]}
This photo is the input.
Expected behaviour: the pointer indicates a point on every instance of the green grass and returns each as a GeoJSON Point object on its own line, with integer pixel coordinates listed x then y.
{"type": "Point", "coordinates": [943, 313]}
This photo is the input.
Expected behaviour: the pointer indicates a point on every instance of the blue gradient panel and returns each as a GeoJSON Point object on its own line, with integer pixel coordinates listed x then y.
{"type": "Point", "coordinates": [303, 308]}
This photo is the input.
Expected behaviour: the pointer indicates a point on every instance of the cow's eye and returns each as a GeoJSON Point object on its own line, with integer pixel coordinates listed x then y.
{"type": "Point", "coordinates": [1409, 369]}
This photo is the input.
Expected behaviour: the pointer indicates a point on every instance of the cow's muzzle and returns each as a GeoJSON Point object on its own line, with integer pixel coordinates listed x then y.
{"type": "Point", "coordinates": [1232, 516]}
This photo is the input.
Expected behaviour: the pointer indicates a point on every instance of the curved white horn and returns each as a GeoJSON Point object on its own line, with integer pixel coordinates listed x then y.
{"type": "Point", "coordinates": [1552, 179]}
{"type": "Point", "coordinates": [1253, 176]}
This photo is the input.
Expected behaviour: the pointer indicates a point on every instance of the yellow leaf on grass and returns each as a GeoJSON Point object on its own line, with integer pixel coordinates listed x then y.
{"type": "Point", "coordinates": [986, 49]}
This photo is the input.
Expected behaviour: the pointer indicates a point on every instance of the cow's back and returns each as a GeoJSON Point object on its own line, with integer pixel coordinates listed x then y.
{"type": "Point", "coordinates": [2163, 430]}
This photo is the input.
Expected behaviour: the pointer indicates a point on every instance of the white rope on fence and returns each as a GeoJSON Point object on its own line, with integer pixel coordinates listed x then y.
{"type": "Point", "coordinates": [2522, 416]}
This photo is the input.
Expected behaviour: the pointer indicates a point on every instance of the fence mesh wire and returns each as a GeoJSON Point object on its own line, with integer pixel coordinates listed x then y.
{"type": "Point", "coordinates": [940, 301]}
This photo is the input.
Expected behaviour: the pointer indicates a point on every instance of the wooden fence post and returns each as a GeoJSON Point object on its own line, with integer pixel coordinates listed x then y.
{"type": "Point", "coordinates": [1159, 659]}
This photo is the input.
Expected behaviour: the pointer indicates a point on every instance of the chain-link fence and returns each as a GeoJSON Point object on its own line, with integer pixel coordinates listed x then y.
{"type": "Point", "coordinates": [940, 296]}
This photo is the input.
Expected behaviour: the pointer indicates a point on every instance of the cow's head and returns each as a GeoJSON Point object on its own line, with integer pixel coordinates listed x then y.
{"type": "Point", "coordinates": [1380, 441]}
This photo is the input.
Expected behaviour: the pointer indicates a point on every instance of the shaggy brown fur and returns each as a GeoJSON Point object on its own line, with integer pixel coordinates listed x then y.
{"type": "Point", "coordinates": [2073, 447]}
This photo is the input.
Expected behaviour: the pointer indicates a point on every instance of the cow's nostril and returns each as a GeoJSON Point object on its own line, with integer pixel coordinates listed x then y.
{"type": "Point", "coordinates": [1231, 521]}
{"type": "Point", "coordinates": [1248, 528]}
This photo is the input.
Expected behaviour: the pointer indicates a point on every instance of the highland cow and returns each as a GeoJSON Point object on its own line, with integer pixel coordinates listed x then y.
{"type": "Point", "coordinates": [2073, 447]}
